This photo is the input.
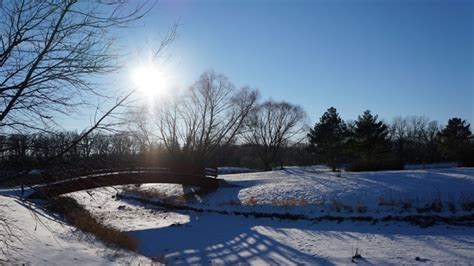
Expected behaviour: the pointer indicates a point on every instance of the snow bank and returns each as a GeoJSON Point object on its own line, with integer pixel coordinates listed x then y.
{"type": "Point", "coordinates": [41, 239]}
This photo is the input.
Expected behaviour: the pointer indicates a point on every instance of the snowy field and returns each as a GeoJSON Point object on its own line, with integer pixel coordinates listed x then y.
{"type": "Point", "coordinates": [315, 191]}
{"type": "Point", "coordinates": [209, 238]}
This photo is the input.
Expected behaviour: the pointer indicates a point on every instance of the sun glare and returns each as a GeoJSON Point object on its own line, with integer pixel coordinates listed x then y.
{"type": "Point", "coordinates": [149, 80]}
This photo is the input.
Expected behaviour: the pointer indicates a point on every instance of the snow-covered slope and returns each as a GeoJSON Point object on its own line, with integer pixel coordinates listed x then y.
{"type": "Point", "coordinates": [40, 239]}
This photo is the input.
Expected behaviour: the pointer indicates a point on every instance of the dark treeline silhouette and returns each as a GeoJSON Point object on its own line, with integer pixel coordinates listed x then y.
{"type": "Point", "coordinates": [122, 150]}
{"type": "Point", "coordinates": [23, 150]}
{"type": "Point", "coordinates": [365, 144]}
{"type": "Point", "coordinates": [371, 144]}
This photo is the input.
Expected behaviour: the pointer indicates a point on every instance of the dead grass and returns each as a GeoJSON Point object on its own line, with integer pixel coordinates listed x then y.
{"type": "Point", "coordinates": [389, 199]}
{"type": "Point", "coordinates": [252, 201]}
{"type": "Point", "coordinates": [434, 204]}
{"type": "Point", "coordinates": [452, 206]}
{"type": "Point", "coordinates": [302, 201]}
{"type": "Point", "coordinates": [175, 200]}
{"type": "Point", "coordinates": [339, 206]}
{"type": "Point", "coordinates": [361, 208]}
{"type": "Point", "coordinates": [291, 202]}
{"type": "Point", "coordinates": [467, 202]}
{"type": "Point", "coordinates": [82, 219]}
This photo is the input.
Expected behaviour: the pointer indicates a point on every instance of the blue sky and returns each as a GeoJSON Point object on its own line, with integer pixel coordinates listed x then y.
{"type": "Point", "coordinates": [392, 57]}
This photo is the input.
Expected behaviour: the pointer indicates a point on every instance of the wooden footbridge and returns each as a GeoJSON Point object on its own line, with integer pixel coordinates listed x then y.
{"type": "Point", "coordinates": [204, 178]}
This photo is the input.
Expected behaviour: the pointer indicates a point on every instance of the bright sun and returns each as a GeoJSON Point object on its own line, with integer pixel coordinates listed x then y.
{"type": "Point", "coordinates": [149, 80]}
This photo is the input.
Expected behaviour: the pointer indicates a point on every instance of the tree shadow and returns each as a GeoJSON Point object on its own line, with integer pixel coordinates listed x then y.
{"type": "Point", "coordinates": [216, 239]}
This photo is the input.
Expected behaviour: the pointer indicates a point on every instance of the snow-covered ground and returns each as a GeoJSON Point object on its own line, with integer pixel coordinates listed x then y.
{"type": "Point", "coordinates": [191, 237]}
{"type": "Point", "coordinates": [41, 239]}
{"type": "Point", "coordinates": [315, 191]}
{"type": "Point", "coordinates": [187, 237]}
{"type": "Point", "coordinates": [225, 170]}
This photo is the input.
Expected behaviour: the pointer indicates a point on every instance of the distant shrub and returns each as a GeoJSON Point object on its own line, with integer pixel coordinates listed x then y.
{"type": "Point", "coordinates": [374, 165]}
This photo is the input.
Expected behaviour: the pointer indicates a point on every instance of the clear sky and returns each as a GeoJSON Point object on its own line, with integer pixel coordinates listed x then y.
{"type": "Point", "coordinates": [392, 57]}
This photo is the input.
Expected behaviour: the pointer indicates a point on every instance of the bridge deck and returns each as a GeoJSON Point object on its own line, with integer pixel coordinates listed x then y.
{"type": "Point", "coordinates": [103, 179]}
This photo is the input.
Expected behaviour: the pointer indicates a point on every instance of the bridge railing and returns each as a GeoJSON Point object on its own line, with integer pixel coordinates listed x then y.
{"type": "Point", "coordinates": [211, 172]}
{"type": "Point", "coordinates": [205, 178]}
{"type": "Point", "coordinates": [204, 172]}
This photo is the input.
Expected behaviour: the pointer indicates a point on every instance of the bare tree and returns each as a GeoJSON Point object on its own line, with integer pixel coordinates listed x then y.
{"type": "Point", "coordinates": [417, 126]}
{"type": "Point", "coordinates": [430, 148]}
{"type": "Point", "coordinates": [51, 53]}
{"type": "Point", "coordinates": [196, 124]}
{"type": "Point", "coordinates": [272, 125]}
{"type": "Point", "coordinates": [399, 136]}
{"type": "Point", "coordinates": [414, 138]}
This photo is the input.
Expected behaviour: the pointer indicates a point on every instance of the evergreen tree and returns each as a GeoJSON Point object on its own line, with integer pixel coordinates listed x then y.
{"type": "Point", "coordinates": [369, 137]}
{"type": "Point", "coordinates": [327, 138]}
{"type": "Point", "coordinates": [454, 139]}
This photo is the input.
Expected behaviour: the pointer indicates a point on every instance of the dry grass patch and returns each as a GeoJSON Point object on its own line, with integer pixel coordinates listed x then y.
{"type": "Point", "coordinates": [467, 202]}
{"type": "Point", "coordinates": [339, 206]}
{"type": "Point", "coordinates": [290, 202]}
{"type": "Point", "coordinates": [252, 201]}
{"type": "Point", "coordinates": [175, 200]}
{"type": "Point", "coordinates": [388, 199]}
{"type": "Point", "coordinates": [77, 216]}
{"type": "Point", "coordinates": [361, 207]}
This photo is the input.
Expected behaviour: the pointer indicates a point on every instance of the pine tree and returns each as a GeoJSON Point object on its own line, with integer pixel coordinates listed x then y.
{"type": "Point", "coordinates": [327, 138]}
{"type": "Point", "coordinates": [454, 139]}
{"type": "Point", "coordinates": [370, 137]}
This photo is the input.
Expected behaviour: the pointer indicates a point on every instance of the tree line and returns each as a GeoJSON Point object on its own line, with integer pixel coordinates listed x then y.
{"type": "Point", "coordinates": [371, 144]}
{"type": "Point", "coordinates": [213, 123]}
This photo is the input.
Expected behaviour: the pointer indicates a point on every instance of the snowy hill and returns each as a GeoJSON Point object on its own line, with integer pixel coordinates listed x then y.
{"type": "Point", "coordinates": [41, 239]}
